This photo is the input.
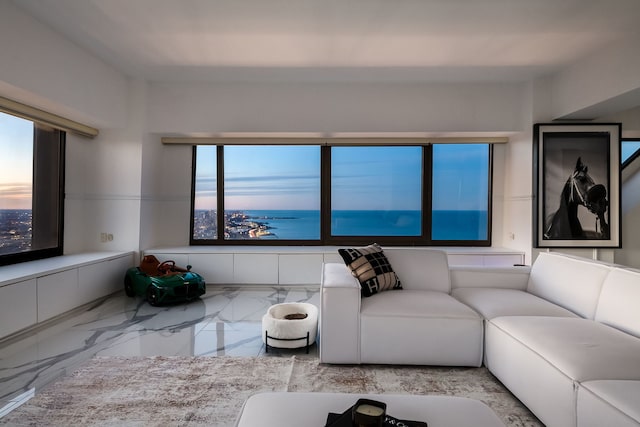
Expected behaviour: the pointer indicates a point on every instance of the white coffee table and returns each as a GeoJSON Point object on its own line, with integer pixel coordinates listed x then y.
{"type": "Point", "coordinates": [282, 409]}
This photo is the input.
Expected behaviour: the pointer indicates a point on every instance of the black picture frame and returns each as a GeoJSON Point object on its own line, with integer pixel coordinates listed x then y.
{"type": "Point", "coordinates": [576, 185]}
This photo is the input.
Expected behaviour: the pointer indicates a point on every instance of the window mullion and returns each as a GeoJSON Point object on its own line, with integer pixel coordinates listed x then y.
{"type": "Point", "coordinates": [427, 192]}
{"type": "Point", "coordinates": [325, 194]}
{"type": "Point", "coordinates": [220, 217]}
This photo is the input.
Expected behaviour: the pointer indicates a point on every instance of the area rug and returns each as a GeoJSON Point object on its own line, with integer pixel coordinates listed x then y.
{"type": "Point", "coordinates": [210, 391]}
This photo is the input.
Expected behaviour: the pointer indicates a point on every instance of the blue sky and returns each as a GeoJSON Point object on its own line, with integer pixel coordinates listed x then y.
{"type": "Point", "coordinates": [280, 177]}
{"type": "Point", "coordinates": [364, 178]}
{"type": "Point", "coordinates": [628, 148]}
{"type": "Point", "coordinates": [376, 178]}
{"type": "Point", "coordinates": [259, 177]}
{"type": "Point", "coordinates": [459, 172]}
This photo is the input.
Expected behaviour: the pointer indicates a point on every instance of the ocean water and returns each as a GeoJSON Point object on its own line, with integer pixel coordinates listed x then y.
{"type": "Point", "coordinates": [376, 223]}
{"type": "Point", "coordinates": [459, 225]}
{"type": "Point", "coordinates": [305, 225]}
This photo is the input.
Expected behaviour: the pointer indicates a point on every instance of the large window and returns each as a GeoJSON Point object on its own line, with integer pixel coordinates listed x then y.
{"type": "Point", "coordinates": [322, 194]}
{"type": "Point", "coordinates": [31, 190]}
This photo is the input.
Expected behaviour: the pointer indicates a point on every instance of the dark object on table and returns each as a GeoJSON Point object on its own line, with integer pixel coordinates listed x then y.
{"type": "Point", "coordinates": [345, 419]}
{"type": "Point", "coordinates": [368, 413]}
{"type": "Point", "coordinates": [161, 282]}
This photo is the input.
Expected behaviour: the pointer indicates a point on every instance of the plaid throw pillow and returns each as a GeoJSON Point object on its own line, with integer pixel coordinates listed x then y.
{"type": "Point", "coordinates": [372, 269]}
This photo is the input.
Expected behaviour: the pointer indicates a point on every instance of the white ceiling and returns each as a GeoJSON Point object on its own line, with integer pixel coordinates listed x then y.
{"type": "Point", "coordinates": [340, 40]}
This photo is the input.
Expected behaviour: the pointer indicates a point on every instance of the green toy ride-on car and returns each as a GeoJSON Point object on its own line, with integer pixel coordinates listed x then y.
{"type": "Point", "coordinates": [161, 282]}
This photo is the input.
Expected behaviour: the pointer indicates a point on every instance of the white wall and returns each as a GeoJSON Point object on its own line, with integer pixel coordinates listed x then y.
{"type": "Point", "coordinates": [518, 169]}
{"type": "Point", "coordinates": [599, 84]}
{"type": "Point", "coordinates": [103, 182]}
{"type": "Point", "coordinates": [192, 108]}
{"type": "Point", "coordinates": [102, 192]}
{"type": "Point", "coordinates": [166, 204]}
{"type": "Point", "coordinates": [40, 68]}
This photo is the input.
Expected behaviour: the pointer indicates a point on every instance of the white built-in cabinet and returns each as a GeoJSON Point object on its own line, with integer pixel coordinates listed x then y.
{"type": "Point", "coordinates": [249, 268]}
{"type": "Point", "coordinates": [37, 291]}
{"type": "Point", "coordinates": [291, 265]}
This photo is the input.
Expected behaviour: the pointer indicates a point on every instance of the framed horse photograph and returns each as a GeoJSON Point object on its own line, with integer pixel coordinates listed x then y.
{"type": "Point", "coordinates": [576, 180]}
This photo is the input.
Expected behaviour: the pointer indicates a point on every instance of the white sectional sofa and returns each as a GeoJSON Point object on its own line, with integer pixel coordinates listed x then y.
{"type": "Point", "coordinates": [562, 335]}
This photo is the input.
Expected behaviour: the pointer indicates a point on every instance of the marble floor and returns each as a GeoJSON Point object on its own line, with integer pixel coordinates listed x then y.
{"type": "Point", "coordinates": [226, 321]}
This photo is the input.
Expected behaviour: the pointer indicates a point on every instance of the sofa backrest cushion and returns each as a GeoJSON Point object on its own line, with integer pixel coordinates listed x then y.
{"type": "Point", "coordinates": [419, 268]}
{"type": "Point", "coordinates": [618, 304]}
{"type": "Point", "coordinates": [571, 282]}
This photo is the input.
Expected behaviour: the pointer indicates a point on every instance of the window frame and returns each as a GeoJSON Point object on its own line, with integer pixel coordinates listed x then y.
{"type": "Point", "coordinates": [325, 206]}
{"type": "Point", "coordinates": [43, 157]}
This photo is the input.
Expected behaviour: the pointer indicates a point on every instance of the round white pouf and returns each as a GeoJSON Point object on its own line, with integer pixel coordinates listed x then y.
{"type": "Point", "coordinates": [275, 325]}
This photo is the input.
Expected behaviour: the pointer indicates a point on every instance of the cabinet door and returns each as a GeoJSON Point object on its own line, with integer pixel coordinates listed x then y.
{"type": "Point", "coordinates": [214, 268]}
{"type": "Point", "coordinates": [18, 308]}
{"type": "Point", "coordinates": [255, 269]}
{"type": "Point", "coordinates": [91, 280]}
{"type": "Point", "coordinates": [57, 293]}
{"type": "Point", "coordinates": [102, 278]}
{"type": "Point", "coordinates": [300, 269]}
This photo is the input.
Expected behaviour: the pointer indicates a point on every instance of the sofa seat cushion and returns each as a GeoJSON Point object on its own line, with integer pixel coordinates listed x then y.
{"type": "Point", "coordinates": [411, 327]}
{"type": "Point", "coordinates": [493, 302]}
{"type": "Point", "coordinates": [415, 304]}
{"type": "Point", "coordinates": [609, 402]}
{"type": "Point", "coordinates": [580, 348]}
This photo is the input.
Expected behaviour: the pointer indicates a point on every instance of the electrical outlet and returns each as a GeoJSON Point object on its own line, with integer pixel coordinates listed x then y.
{"type": "Point", "coordinates": [110, 237]}
{"type": "Point", "coordinates": [103, 237]}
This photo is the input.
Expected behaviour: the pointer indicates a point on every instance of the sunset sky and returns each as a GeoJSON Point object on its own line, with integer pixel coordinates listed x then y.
{"type": "Point", "coordinates": [16, 145]}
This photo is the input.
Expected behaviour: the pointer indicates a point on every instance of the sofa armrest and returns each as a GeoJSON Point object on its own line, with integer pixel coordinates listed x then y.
{"type": "Point", "coordinates": [339, 315]}
{"type": "Point", "coordinates": [515, 277]}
